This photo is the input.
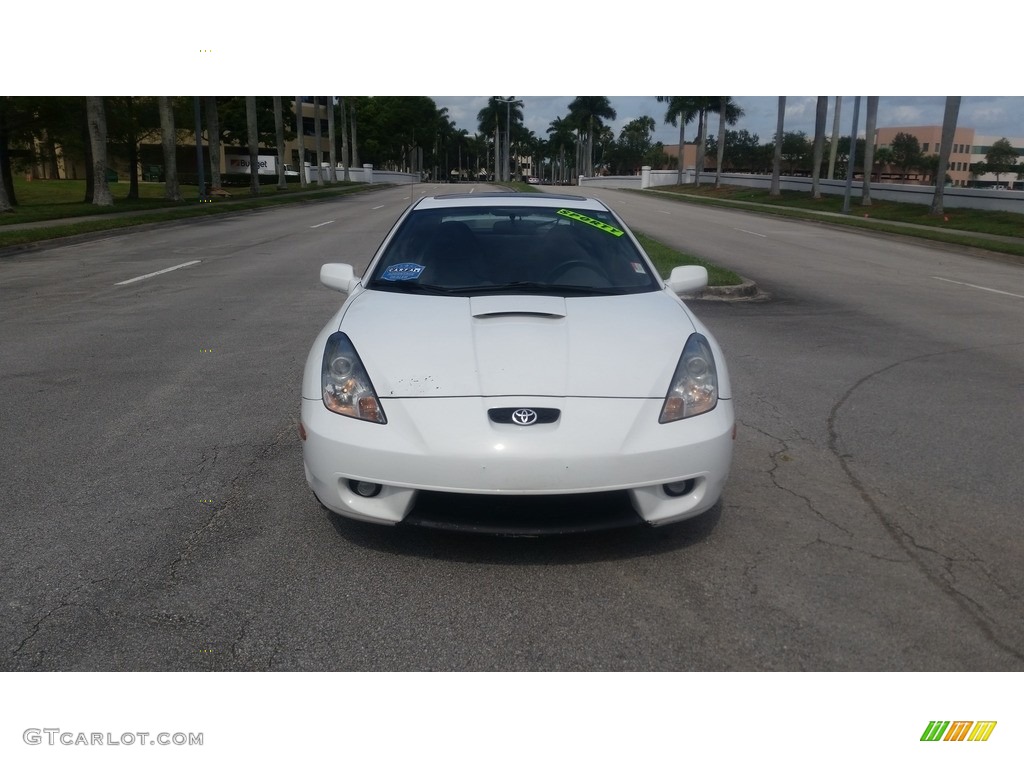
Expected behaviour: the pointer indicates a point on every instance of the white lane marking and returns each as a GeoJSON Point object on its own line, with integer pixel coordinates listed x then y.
{"type": "Point", "coordinates": [748, 232]}
{"type": "Point", "coordinates": [979, 287]}
{"type": "Point", "coordinates": [667, 213]}
{"type": "Point", "coordinates": [376, 207]}
{"type": "Point", "coordinates": [154, 274]}
{"type": "Point", "coordinates": [322, 224]}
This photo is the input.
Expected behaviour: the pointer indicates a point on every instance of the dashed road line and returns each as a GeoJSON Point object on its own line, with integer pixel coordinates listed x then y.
{"type": "Point", "coordinates": [162, 271]}
{"type": "Point", "coordinates": [979, 287]}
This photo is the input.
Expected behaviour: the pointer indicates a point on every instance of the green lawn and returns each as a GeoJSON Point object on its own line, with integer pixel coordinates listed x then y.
{"type": "Point", "coordinates": [53, 200]}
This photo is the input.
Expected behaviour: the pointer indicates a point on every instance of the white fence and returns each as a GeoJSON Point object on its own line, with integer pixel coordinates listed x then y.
{"type": "Point", "coordinates": [952, 197]}
{"type": "Point", "coordinates": [367, 174]}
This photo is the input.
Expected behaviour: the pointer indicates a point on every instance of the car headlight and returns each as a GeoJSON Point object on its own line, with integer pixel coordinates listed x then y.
{"type": "Point", "coordinates": [694, 388]}
{"type": "Point", "coordinates": [345, 384]}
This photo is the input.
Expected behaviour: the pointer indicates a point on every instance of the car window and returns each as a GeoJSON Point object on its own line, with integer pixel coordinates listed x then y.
{"type": "Point", "coordinates": [495, 249]}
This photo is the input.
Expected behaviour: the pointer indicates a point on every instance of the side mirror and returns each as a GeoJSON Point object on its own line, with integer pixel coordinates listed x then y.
{"type": "Point", "coordinates": [688, 279]}
{"type": "Point", "coordinates": [340, 277]}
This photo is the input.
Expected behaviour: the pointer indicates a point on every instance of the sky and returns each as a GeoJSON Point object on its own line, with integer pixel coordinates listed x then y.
{"type": "Point", "coordinates": [998, 116]}
{"type": "Point", "coordinates": [472, 50]}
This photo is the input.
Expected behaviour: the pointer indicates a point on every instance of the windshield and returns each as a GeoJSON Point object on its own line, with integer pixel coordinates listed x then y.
{"type": "Point", "coordinates": [512, 249]}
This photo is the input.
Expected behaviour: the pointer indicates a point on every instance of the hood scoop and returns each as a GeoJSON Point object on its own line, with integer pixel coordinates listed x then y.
{"type": "Point", "coordinates": [503, 306]}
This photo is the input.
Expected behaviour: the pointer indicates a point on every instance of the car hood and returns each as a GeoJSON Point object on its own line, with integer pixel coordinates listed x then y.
{"type": "Point", "coordinates": [448, 346]}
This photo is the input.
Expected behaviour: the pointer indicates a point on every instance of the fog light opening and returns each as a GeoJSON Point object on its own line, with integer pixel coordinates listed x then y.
{"type": "Point", "coordinates": [680, 488]}
{"type": "Point", "coordinates": [363, 488]}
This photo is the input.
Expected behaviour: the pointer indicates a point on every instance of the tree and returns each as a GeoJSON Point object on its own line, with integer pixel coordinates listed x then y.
{"type": "Point", "coordinates": [168, 138]}
{"type": "Point", "coordinates": [282, 182]}
{"type": "Point", "coordinates": [949, 118]}
{"type": "Point", "coordinates": [301, 135]}
{"type": "Point", "coordinates": [633, 144]}
{"type": "Point", "coordinates": [680, 109]}
{"type": "Point", "coordinates": [345, 162]}
{"type": "Point", "coordinates": [820, 119]}
{"type": "Point", "coordinates": [869, 149]}
{"type": "Point", "coordinates": [130, 120]}
{"type": "Point", "coordinates": [906, 152]}
{"type": "Point", "coordinates": [332, 153]}
{"type": "Point", "coordinates": [253, 139]}
{"type": "Point", "coordinates": [355, 138]}
{"type": "Point", "coordinates": [213, 140]}
{"type": "Point", "coordinates": [795, 151]}
{"type": "Point", "coordinates": [319, 133]}
{"type": "Point", "coordinates": [728, 112]}
{"type": "Point", "coordinates": [777, 161]}
{"type": "Point", "coordinates": [562, 138]}
{"type": "Point", "coordinates": [882, 157]}
{"type": "Point", "coordinates": [6, 188]}
{"type": "Point", "coordinates": [703, 105]}
{"type": "Point", "coordinates": [589, 112]}
{"type": "Point", "coordinates": [488, 120]}
{"type": "Point", "coordinates": [834, 145]}
{"type": "Point", "coordinates": [5, 202]}
{"type": "Point", "coordinates": [1001, 157]}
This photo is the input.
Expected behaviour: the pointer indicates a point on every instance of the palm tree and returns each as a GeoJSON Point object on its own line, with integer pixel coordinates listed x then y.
{"type": "Point", "coordinates": [97, 119]}
{"type": "Point", "coordinates": [253, 138]}
{"type": "Point", "coordinates": [949, 119]}
{"type": "Point", "coordinates": [344, 139]}
{"type": "Point", "coordinates": [777, 161]}
{"type": "Point", "coordinates": [588, 112]}
{"type": "Point", "coordinates": [704, 104]}
{"type": "Point", "coordinates": [869, 149]}
{"type": "Point", "coordinates": [5, 202]}
{"type": "Point", "coordinates": [729, 112]}
{"type": "Point", "coordinates": [562, 137]}
{"type": "Point", "coordinates": [169, 141]}
{"type": "Point", "coordinates": [213, 141]}
{"type": "Point", "coordinates": [318, 132]}
{"type": "Point", "coordinates": [820, 119]}
{"type": "Point", "coordinates": [282, 183]}
{"type": "Point", "coordinates": [301, 135]}
{"type": "Point", "coordinates": [355, 137]}
{"type": "Point", "coordinates": [834, 146]}
{"type": "Point", "coordinates": [680, 109]}
{"type": "Point", "coordinates": [332, 152]}
{"type": "Point", "coordinates": [489, 120]}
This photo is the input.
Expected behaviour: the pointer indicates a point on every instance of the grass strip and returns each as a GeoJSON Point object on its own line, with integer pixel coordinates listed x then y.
{"type": "Point", "coordinates": [666, 258]}
{"type": "Point", "coordinates": [958, 226]}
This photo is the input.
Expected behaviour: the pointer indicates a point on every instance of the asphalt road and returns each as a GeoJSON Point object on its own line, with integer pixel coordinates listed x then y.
{"type": "Point", "coordinates": [156, 517]}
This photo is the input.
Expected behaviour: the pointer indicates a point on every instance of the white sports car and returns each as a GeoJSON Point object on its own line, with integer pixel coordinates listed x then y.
{"type": "Point", "coordinates": [514, 363]}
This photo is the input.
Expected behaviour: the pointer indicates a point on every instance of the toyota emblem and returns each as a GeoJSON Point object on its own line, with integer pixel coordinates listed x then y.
{"type": "Point", "coordinates": [524, 417]}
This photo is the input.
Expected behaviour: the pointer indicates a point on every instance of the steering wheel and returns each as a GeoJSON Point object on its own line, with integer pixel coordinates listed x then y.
{"type": "Point", "coordinates": [566, 266]}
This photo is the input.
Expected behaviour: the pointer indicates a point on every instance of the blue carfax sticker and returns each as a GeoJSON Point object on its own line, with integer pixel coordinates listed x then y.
{"type": "Point", "coordinates": [406, 271]}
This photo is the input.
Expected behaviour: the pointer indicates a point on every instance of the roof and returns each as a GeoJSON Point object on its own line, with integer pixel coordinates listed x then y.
{"type": "Point", "coordinates": [528, 199]}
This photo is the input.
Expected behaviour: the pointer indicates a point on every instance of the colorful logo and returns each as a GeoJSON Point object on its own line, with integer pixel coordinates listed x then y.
{"type": "Point", "coordinates": [958, 730]}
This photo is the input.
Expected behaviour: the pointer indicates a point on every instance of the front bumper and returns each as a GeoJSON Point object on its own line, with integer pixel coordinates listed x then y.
{"type": "Point", "coordinates": [450, 445]}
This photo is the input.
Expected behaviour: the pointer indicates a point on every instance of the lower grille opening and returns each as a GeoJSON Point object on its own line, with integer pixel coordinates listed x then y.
{"type": "Point", "coordinates": [523, 515]}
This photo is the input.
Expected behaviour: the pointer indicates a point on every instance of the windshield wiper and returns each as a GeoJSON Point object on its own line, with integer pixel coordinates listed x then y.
{"type": "Point", "coordinates": [408, 286]}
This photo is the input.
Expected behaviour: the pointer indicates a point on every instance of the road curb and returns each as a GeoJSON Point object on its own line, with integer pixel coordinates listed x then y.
{"type": "Point", "coordinates": [745, 290]}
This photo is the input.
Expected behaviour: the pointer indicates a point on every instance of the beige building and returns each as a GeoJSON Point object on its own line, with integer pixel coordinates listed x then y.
{"type": "Point", "coordinates": [930, 136]}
